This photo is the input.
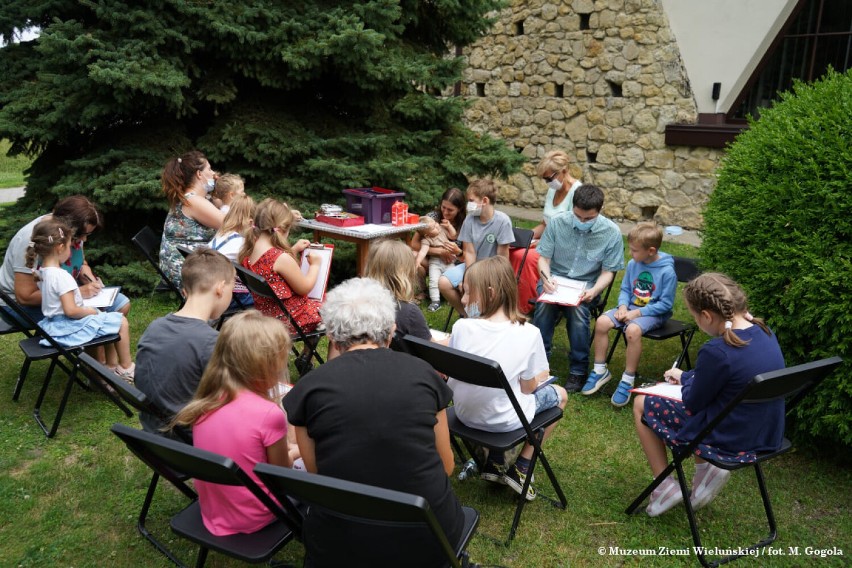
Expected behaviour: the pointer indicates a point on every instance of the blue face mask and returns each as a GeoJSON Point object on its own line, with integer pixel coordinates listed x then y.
{"type": "Point", "coordinates": [584, 227]}
{"type": "Point", "coordinates": [472, 310]}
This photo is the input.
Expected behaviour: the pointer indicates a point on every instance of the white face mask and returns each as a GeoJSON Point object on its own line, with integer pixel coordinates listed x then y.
{"type": "Point", "coordinates": [554, 184]}
{"type": "Point", "coordinates": [211, 183]}
{"type": "Point", "coordinates": [474, 209]}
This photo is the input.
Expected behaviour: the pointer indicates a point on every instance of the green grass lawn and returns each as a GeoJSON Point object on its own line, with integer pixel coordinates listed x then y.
{"type": "Point", "coordinates": [11, 169]}
{"type": "Point", "coordinates": [73, 500]}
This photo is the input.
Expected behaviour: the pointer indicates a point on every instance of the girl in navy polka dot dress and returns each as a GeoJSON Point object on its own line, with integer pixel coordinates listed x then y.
{"type": "Point", "coordinates": [741, 347]}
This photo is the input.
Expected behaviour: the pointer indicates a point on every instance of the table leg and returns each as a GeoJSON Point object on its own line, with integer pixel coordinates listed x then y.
{"type": "Point", "coordinates": [362, 248]}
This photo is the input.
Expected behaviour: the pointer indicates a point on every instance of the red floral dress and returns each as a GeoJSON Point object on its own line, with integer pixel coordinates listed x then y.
{"type": "Point", "coordinates": [303, 309]}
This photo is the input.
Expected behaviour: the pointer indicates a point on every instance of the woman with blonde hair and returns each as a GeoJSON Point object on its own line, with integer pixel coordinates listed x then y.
{"type": "Point", "coordinates": [267, 252]}
{"type": "Point", "coordinates": [192, 219]}
{"type": "Point", "coordinates": [389, 263]}
{"type": "Point", "coordinates": [234, 413]}
{"type": "Point", "coordinates": [554, 169]}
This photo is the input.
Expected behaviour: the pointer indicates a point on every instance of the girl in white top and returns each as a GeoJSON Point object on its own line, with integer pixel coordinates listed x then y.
{"type": "Point", "coordinates": [229, 240]}
{"type": "Point", "coordinates": [66, 319]}
{"type": "Point", "coordinates": [496, 330]}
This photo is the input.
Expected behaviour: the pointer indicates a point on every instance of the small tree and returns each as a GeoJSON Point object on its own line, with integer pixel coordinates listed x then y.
{"type": "Point", "coordinates": [780, 223]}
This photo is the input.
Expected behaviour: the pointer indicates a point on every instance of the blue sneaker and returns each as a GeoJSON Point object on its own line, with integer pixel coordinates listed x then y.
{"type": "Point", "coordinates": [595, 382]}
{"type": "Point", "coordinates": [622, 393]}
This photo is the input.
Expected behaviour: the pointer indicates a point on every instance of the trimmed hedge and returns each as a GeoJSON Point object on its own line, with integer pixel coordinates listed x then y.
{"type": "Point", "coordinates": [780, 223]}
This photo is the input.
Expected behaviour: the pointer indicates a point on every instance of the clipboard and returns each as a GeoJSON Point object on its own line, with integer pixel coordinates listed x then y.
{"type": "Point", "coordinates": [325, 253]}
{"type": "Point", "coordinates": [663, 390]}
{"type": "Point", "coordinates": [568, 292]}
{"type": "Point", "coordinates": [102, 299]}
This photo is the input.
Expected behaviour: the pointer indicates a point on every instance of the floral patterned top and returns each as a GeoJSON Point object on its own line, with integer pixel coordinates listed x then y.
{"type": "Point", "coordinates": [303, 309]}
{"type": "Point", "coordinates": [180, 230]}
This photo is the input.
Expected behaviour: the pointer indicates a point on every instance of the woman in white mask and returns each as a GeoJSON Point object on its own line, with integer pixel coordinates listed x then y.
{"type": "Point", "coordinates": [553, 169]}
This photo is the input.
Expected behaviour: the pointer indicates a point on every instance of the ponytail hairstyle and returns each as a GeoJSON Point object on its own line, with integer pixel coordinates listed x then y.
{"type": "Point", "coordinates": [78, 211]}
{"type": "Point", "coordinates": [239, 216]}
{"type": "Point", "coordinates": [179, 175]}
{"type": "Point", "coordinates": [719, 294]}
{"type": "Point", "coordinates": [46, 236]}
{"type": "Point", "coordinates": [271, 217]}
{"type": "Point", "coordinates": [493, 285]}
{"type": "Point", "coordinates": [251, 353]}
{"type": "Point", "coordinates": [391, 264]}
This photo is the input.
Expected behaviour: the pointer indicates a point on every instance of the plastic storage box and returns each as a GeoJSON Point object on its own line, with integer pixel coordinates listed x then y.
{"type": "Point", "coordinates": [374, 203]}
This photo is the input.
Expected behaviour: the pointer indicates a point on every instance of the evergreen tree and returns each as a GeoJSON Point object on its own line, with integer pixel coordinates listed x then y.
{"type": "Point", "coordinates": [301, 98]}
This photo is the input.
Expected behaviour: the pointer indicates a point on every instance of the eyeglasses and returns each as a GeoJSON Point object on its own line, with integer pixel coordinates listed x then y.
{"type": "Point", "coordinates": [551, 177]}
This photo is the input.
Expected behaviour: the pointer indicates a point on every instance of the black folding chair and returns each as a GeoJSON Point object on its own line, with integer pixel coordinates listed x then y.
{"type": "Point", "coordinates": [139, 401]}
{"type": "Point", "coordinates": [258, 286]}
{"type": "Point", "coordinates": [483, 372]}
{"type": "Point", "coordinates": [686, 269]}
{"type": "Point", "coordinates": [149, 243]}
{"type": "Point", "coordinates": [523, 240]}
{"type": "Point", "coordinates": [66, 358]}
{"type": "Point", "coordinates": [367, 505]}
{"type": "Point", "coordinates": [792, 385]}
{"type": "Point", "coordinates": [175, 461]}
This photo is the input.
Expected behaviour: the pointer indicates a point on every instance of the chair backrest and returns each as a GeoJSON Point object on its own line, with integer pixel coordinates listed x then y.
{"type": "Point", "coordinates": [147, 241]}
{"type": "Point", "coordinates": [465, 367]}
{"type": "Point", "coordinates": [686, 269]}
{"type": "Point", "coordinates": [170, 458]}
{"type": "Point", "coordinates": [356, 501]}
{"type": "Point", "coordinates": [258, 286]}
{"type": "Point", "coordinates": [184, 251]}
{"type": "Point", "coordinates": [523, 240]}
{"type": "Point", "coordinates": [131, 395]}
{"type": "Point", "coordinates": [792, 384]}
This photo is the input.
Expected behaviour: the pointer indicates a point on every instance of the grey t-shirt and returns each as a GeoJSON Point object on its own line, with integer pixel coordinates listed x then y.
{"type": "Point", "coordinates": [487, 236]}
{"type": "Point", "coordinates": [170, 360]}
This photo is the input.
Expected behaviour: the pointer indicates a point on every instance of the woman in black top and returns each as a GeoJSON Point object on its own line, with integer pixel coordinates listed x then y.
{"type": "Point", "coordinates": [373, 416]}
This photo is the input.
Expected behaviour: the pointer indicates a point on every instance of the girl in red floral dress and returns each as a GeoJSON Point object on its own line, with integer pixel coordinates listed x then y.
{"type": "Point", "coordinates": [267, 252]}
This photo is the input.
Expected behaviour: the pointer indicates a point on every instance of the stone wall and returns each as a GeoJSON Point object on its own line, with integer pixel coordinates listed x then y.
{"type": "Point", "coordinates": [599, 79]}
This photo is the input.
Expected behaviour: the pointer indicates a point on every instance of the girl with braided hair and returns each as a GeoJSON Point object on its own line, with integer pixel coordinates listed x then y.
{"type": "Point", "coordinates": [741, 347]}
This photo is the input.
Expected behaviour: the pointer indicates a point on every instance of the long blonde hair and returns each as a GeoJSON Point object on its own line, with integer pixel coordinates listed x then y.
{"type": "Point", "coordinates": [719, 294]}
{"type": "Point", "coordinates": [239, 216]}
{"type": "Point", "coordinates": [391, 263]}
{"type": "Point", "coordinates": [272, 217]}
{"type": "Point", "coordinates": [492, 283]}
{"type": "Point", "coordinates": [251, 353]}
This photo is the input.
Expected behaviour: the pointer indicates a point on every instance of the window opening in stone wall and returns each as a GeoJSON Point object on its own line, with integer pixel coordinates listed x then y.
{"type": "Point", "coordinates": [480, 89]}
{"type": "Point", "coordinates": [559, 91]}
{"type": "Point", "coordinates": [519, 28]}
{"type": "Point", "coordinates": [819, 35]}
{"type": "Point", "coordinates": [614, 88]}
{"type": "Point", "coordinates": [649, 212]}
{"type": "Point", "coordinates": [585, 21]}
{"type": "Point", "coordinates": [591, 157]}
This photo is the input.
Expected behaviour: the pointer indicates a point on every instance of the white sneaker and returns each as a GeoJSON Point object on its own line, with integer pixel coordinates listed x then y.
{"type": "Point", "coordinates": [664, 497]}
{"type": "Point", "coordinates": [707, 483]}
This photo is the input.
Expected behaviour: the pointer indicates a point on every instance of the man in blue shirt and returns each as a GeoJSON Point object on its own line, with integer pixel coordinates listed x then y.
{"type": "Point", "coordinates": [581, 245]}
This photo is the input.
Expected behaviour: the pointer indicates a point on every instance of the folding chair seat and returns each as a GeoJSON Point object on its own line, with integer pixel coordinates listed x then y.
{"type": "Point", "coordinates": [523, 240]}
{"type": "Point", "coordinates": [686, 269]}
{"type": "Point", "coordinates": [791, 385]}
{"type": "Point", "coordinates": [258, 286]}
{"type": "Point", "coordinates": [66, 358]}
{"type": "Point", "coordinates": [177, 461]}
{"type": "Point", "coordinates": [487, 373]}
{"type": "Point", "coordinates": [368, 506]}
{"type": "Point", "coordinates": [149, 243]}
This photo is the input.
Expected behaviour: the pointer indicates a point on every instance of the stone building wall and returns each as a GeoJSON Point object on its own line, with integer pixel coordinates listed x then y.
{"type": "Point", "coordinates": [599, 79]}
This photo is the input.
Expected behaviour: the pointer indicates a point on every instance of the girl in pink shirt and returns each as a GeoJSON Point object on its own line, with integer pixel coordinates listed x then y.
{"type": "Point", "coordinates": [234, 413]}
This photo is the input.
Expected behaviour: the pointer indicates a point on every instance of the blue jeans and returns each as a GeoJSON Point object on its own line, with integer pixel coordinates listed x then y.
{"type": "Point", "coordinates": [577, 320]}
{"type": "Point", "coordinates": [12, 317]}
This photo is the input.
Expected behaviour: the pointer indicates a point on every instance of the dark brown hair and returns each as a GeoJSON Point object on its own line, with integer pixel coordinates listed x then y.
{"type": "Point", "coordinates": [46, 235]}
{"type": "Point", "coordinates": [78, 211]}
{"type": "Point", "coordinates": [179, 175]}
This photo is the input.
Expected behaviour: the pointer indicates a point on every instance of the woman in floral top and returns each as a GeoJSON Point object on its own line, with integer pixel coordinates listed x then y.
{"type": "Point", "coordinates": [192, 219]}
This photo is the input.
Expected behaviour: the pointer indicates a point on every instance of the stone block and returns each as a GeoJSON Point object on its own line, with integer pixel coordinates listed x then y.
{"type": "Point", "coordinates": [595, 115]}
{"type": "Point", "coordinates": [622, 136]}
{"type": "Point", "coordinates": [671, 180]}
{"type": "Point", "coordinates": [642, 180]}
{"type": "Point", "coordinates": [631, 157]}
{"type": "Point", "coordinates": [577, 128]}
{"type": "Point", "coordinates": [600, 133]}
{"type": "Point", "coordinates": [613, 118]}
{"type": "Point", "coordinates": [606, 154]}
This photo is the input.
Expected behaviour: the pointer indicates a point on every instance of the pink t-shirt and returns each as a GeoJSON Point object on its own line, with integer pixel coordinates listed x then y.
{"type": "Point", "coordinates": [240, 430]}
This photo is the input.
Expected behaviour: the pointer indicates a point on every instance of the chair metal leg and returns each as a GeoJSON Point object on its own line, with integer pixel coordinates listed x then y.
{"type": "Point", "coordinates": [22, 376]}
{"type": "Point", "coordinates": [767, 506]}
{"type": "Point", "coordinates": [202, 557]}
{"type": "Point", "coordinates": [69, 384]}
{"type": "Point", "coordinates": [143, 515]}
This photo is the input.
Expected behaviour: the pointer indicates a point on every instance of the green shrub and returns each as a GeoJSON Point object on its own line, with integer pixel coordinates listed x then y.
{"type": "Point", "coordinates": [780, 223]}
